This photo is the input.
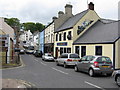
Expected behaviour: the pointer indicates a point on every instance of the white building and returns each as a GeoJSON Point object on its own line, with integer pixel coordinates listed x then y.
{"type": "Point", "coordinates": [36, 39]}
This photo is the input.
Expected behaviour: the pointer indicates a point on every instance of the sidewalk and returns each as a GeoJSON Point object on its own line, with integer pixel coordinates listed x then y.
{"type": "Point", "coordinates": [13, 83]}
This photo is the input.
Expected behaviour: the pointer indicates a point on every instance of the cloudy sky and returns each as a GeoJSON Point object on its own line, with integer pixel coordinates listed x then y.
{"type": "Point", "coordinates": [43, 10]}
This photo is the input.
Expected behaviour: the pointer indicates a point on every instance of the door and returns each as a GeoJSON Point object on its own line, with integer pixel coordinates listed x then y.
{"type": "Point", "coordinates": [56, 52]}
{"type": "Point", "coordinates": [83, 51]}
{"type": "Point", "coordinates": [81, 64]}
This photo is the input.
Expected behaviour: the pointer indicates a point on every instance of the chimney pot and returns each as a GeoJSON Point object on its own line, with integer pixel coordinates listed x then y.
{"type": "Point", "coordinates": [60, 13]}
{"type": "Point", "coordinates": [91, 6]}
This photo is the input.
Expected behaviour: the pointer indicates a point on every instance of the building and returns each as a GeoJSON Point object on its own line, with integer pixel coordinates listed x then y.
{"type": "Point", "coordinates": [41, 42]}
{"type": "Point", "coordinates": [6, 42]}
{"type": "Point", "coordinates": [49, 38]}
{"type": "Point", "coordinates": [102, 38]}
{"type": "Point", "coordinates": [72, 28]}
{"type": "Point", "coordinates": [27, 36]}
{"type": "Point", "coordinates": [36, 40]}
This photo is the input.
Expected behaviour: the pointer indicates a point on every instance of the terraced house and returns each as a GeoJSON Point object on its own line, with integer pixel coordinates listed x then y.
{"type": "Point", "coordinates": [71, 27]}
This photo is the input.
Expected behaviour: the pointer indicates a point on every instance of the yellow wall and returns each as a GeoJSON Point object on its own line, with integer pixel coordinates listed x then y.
{"type": "Point", "coordinates": [107, 49]}
{"type": "Point", "coordinates": [117, 53]}
{"type": "Point", "coordinates": [91, 15]}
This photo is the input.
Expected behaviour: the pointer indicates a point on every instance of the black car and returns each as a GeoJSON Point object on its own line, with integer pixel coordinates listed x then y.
{"type": "Point", "coordinates": [117, 77]}
{"type": "Point", "coordinates": [38, 53]}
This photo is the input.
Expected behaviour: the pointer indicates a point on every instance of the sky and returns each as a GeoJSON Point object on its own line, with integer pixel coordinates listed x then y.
{"type": "Point", "coordinates": [43, 10]}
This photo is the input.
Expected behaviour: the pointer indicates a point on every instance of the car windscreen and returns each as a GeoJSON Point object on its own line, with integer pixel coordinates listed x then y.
{"type": "Point", "coordinates": [74, 56]}
{"type": "Point", "coordinates": [31, 48]}
{"type": "Point", "coordinates": [104, 59]}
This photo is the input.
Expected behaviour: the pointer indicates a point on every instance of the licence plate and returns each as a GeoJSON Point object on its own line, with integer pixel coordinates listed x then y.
{"type": "Point", "coordinates": [75, 60]}
{"type": "Point", "coordinates": [105, 66]}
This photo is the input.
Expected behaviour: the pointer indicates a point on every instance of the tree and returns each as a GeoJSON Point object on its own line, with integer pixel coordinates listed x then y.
{"type": "Point", "coordinates": [39, 27]}
{"type": "Point", "coordinates": [13, 22]}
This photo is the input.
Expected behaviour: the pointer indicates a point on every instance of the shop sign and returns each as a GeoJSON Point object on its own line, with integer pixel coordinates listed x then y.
{"type": "Point", "coordinates": [62, 44]}
{"type": "Point", "coordinates": [83, 26]}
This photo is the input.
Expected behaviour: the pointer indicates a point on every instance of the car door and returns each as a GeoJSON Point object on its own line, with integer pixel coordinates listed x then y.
{"type": "Point", "coordinates": [81, 63]}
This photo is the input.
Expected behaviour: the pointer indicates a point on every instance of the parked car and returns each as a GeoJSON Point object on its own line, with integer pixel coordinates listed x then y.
{"type": "Point", "coordinates": [67, 59]}
{"type": "Point", "coordinates": [116, 75]}
{"type": "Point", "coordinates": [22, 51]}
{"type": "Point", "coordinates": [38, 53]}
{"type": "Point", "coordinates": [30, 50]}
{"type": "Point", "coordinates": [47, 57]}
{"type": "Point", "coordinates": [95, 65]}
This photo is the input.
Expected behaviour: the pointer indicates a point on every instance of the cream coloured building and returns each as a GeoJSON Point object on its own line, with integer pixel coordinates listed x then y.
{"type": "Point", "coordinates": [73, 28]}
{"type": "Point", "coordinates": [49, 38]}
{"type": "Point", "coordinates": [6, 41]}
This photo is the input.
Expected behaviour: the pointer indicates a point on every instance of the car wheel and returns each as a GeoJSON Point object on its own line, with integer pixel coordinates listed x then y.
{"type": "Point", "coordinates": [76, 69]}
{"type": "Point", "coordinates": [118, 80]}
{"type": "Point", "coordinates": [65, 66]}
{"type": "Point", "coordinates": [57, 63]}
{"type": "Point", "coordinates": [91, 72]}
{"type": "Point", "coordinates": [110, 74]}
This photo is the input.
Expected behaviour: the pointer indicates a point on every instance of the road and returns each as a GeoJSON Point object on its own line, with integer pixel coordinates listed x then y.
{"type": "Point", "coordinates": [47, 75]}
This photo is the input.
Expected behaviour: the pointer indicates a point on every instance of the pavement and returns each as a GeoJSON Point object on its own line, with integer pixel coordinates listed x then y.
{"type": "Point", "coordinates": [14, 83]}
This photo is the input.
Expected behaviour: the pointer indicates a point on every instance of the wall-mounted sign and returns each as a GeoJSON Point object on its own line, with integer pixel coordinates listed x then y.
{"type": "Point", "coordinates": [62, 44]}
{"type": "Point", "coordinates": [83, 26]}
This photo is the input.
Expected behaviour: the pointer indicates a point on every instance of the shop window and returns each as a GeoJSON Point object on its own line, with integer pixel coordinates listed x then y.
{"type": "Point", "coordinates": [83, 51]}
{"type": "Point", "coordinates": [60, 37]}
{"type": "Point", "coordinates": [98, 50]}
{"type": "Point", "coordinates": [64, 38]}
{"type": "Point", "coordinates": [77, 49]}
{"type": "Point", "coordinates": [68, 50]}
{"type": "Point", "coordinates": [61, 51]}
{"type": "Point", "coordinates": [64, 50]}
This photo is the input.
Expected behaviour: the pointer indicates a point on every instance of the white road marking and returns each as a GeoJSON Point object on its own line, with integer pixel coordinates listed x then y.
{"type": "Point", "coordinates": [94, 85]}
{"type": "Point", "coordinates": [59, 71]}
{"type": "Point", "coordinates": [43, 64]}
{"type": "Point", "coordinates": [36, 60]}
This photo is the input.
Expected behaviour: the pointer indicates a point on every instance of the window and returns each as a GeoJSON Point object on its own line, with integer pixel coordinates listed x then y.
{"type": "Point", "coordinates": [74, 56]}
{"type": "Point", "coordinates": [61, 51]}
{"type": "Point", "coordinates": [77, 49]}
{"type": "Point", "coordinates": [83, 51]}
{"type": "Point", "coordinates": [104, 59]}
{"type": "Point", "coordinates": [84, 58]}
{"type": "Point", "coordinates": [90, 58]}
{"type": "Point", "coordinates": [64, 56]}
{"type": "Point", "coordinates": [56, 37]}
{"type": "Point", "coordinates": [60, 37]}
{"type": "Point", "coordinates": [64, 38]}
{"type": "Point", "coordinates": [64, 50]}
{"type": "Point", "coordinates": [68, 50]}
{"type": "Point", "coordinates": [98, 50]}
{"type": "Point", "coordinates": [69, 36]}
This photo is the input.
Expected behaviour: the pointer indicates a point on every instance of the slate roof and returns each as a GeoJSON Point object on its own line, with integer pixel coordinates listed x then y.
{"type": "Point", "coordinates": [71, 21]}
{"type": "Point", "coordinates": [100, 32]}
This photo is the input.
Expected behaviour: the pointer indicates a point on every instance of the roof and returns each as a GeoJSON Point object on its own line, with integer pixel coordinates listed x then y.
{"type": "Point", "coordinates": [100, 32]}
{"type": "Point", "coordinates": [71, 21]}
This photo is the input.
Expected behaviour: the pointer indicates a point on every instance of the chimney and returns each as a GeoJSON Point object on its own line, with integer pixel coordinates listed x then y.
{"type": "Point", "coordinates": [91, 6]}
{"type": "Point", "coordinates": [68, 10]}
{"type": "Point", "coordinates": [60, 13]}
{"type": "Point", "coordinates": [54, 18]}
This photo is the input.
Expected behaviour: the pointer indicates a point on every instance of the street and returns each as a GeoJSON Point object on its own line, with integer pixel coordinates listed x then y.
{"type": "Point", "coordinates": [44, 74]}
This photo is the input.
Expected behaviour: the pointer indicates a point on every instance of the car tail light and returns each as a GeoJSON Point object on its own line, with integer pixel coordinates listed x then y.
{"type": "Point", "coordinates": [96, 64]}
{"type": "Point", "coordinates": [69, 60]}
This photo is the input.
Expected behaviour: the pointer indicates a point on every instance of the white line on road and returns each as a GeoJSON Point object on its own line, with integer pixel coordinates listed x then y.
{"type": "Point", "coordinates": [59, 71]}
{"type": "Point", "coordinates": [94, 85]}
{"type": "Point", "coordinates": [43, 64]}
{"type": "Point", "coordinates": [36, 60]}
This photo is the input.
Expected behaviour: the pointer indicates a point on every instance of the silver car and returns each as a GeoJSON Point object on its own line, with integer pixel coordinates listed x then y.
{"type": "Point", "coordinates": [67, 59]}
{"type": "Point", "coordinates": [95, 65]}
{"type": "Point", "coordinates": [47, 57]}
{"type": "Point", "coordinates": [116, 75]}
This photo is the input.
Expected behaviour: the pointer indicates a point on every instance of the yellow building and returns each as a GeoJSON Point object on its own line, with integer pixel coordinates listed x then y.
{"type": "Point", "coordinates": [100, 39]}
{"type": "Point", "coordinates": [72, 28]}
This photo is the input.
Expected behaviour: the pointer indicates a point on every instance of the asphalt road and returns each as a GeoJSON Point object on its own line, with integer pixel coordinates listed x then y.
{"type": "Point", "coordinates": [47, 75]}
